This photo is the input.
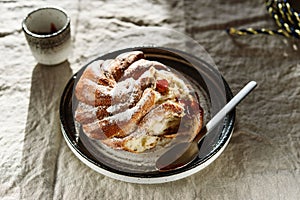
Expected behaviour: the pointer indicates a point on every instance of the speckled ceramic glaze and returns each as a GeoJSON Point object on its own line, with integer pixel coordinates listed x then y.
{"type": "Point", "coordinates": [47, 31]}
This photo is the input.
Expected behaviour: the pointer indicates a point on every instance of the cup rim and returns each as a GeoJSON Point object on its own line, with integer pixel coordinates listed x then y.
{"type": "Point", "coordinates": [27, 31]}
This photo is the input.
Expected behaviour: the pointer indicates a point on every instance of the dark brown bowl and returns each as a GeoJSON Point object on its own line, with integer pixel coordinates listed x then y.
{"type": "Point", "coordinates": [196, 70]}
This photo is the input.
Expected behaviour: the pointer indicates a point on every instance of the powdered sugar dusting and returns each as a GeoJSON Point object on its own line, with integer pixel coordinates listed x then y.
{"type": "Point", "coordinates": [148, 99]}
{"type": "Point", "coordinates": [123, 87]}
{"type": "Point", "coordinates": [127, 114]}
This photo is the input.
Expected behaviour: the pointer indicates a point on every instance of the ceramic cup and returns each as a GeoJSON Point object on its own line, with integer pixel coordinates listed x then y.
{"type": "Point", "coordinates": [47, 31]}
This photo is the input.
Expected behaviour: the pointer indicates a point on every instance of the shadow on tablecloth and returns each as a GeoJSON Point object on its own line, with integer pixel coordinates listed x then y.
{"type": "Point", "coordinates": [42, 134]}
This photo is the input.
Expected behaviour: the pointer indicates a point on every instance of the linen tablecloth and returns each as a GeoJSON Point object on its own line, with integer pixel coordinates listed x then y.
{"type": "Point", "coordinates": [262, 159]}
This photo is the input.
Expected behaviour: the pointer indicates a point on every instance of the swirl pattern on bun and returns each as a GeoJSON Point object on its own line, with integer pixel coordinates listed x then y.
{"type": "Point", "coordinates": [135, 104]}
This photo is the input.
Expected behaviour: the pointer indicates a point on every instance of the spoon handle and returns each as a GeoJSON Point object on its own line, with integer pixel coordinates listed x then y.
{"type": "Point", "coordinates": [230, 105]}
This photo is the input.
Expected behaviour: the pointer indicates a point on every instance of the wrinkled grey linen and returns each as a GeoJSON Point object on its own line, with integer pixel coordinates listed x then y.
{"type": "Point", "coordinates": [262, 160]}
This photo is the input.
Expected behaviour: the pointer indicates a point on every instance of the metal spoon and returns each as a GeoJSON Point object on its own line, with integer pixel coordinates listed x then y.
{"type": "Point", "coordinates": [184, 153]}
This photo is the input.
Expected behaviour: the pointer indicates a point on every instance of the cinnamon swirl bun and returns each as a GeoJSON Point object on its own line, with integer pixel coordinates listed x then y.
{"type": "Point", "coordinates": [135, 104]}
